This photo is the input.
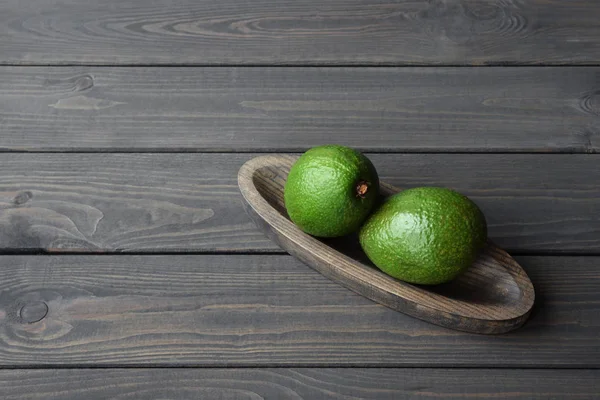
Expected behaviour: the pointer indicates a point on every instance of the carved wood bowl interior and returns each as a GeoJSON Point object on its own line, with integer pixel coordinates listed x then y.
{"type": "Point", "coordinates": [494, 295]}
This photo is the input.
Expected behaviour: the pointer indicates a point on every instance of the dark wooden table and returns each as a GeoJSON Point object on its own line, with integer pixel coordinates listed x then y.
{"type": "Point", "coordinates": [128, 268]}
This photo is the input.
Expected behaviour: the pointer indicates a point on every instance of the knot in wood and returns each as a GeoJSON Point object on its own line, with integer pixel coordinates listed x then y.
{"type": "Point", "coordinates": [33, 312]}
{"type": "Point", "coordinates": [22, 198]}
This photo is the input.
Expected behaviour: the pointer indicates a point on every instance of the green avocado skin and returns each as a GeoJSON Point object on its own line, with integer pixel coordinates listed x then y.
{"type": "Point", "coordinates": [425, 235]}
{"type": "Point", "coordinates": [320, 193]}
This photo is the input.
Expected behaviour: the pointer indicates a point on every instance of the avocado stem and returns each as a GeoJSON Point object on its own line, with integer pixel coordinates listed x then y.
{"type": "Point", "coordinates": [362, 187]}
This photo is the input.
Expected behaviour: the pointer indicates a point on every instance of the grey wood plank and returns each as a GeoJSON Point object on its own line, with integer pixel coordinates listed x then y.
{"type": "Point", "coordinates": [298, 383]}
{"type": "Point", "coordinates": [266, 310]}
{"type": "Point", "coordinates": [299, 32]}
{"type": "Point", "coordinates": [191, 202]}
{"type": "Point", "coordinates": [528, 109]}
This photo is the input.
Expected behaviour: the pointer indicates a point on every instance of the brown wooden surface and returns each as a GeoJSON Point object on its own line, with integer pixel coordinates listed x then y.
{"type": "Point", "coordinates": [298, 383]}
{"type": "Point", "coordinates": [299, 32]}
{"type": "Point", "coordinates": [191, 202]}
{"type": "Point", "coordinates": [493, 296]}
{"type": "Point", "coordinates": [291, 109]}
{"type": "Point", "coordinates": [266, 310]}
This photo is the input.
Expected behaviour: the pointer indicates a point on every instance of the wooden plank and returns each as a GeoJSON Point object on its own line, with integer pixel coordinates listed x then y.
{"type": "Point", "coordinates": [266, 310]}
{"type": "Point", "coordinates": [291, 109]}
{"type": "Point", "coordinates": [300, 383]}
{"type": "Point", "coordinates": [191, 202]}
{"type": "Point", "coordinates": [299, 32]}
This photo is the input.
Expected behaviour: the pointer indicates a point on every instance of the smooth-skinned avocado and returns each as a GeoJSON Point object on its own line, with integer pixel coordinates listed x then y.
{"type": "Point", "coordinates": [424, 235]}
{"type": "Point", "coordinates": [331, 190]}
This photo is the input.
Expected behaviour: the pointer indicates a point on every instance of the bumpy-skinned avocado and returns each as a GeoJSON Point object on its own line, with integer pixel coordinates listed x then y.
{"type": "Point", "coordinates": [424, 235]}
{"type": "Point", "coordinates": [331, 190]}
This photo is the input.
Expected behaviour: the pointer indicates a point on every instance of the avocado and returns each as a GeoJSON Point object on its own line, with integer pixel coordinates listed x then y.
{"type": "Point", "coordinates": [425, 235]}
{"type": "Point", "coordinates": [331, 190]}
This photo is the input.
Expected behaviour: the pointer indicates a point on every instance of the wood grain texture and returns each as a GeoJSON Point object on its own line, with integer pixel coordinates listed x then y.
{"type": "Point", "coordinates": [493, 296]}
{"type": "Point", "coordinates": [127, 202]}
{"type": "Point", "coordinates": [300, 32]}
{"type": "Point", "coordinates": [291, 109]}
{"type": "Point", "coordinates": [266, 310]}
{"type": "Point", "coordinates": [191, 202]}
{"type": "Point", "coordinates": [298, 383]}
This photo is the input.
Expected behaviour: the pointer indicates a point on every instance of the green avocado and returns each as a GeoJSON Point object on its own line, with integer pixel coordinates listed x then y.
{"type": "Point", "coordinates": [331, 190]}
{"type": "Point", "coordinates": [424, 235]}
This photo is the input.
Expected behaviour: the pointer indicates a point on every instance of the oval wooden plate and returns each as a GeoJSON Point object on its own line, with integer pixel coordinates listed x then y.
{"type": "Point", "coordinates": [495, 295]}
